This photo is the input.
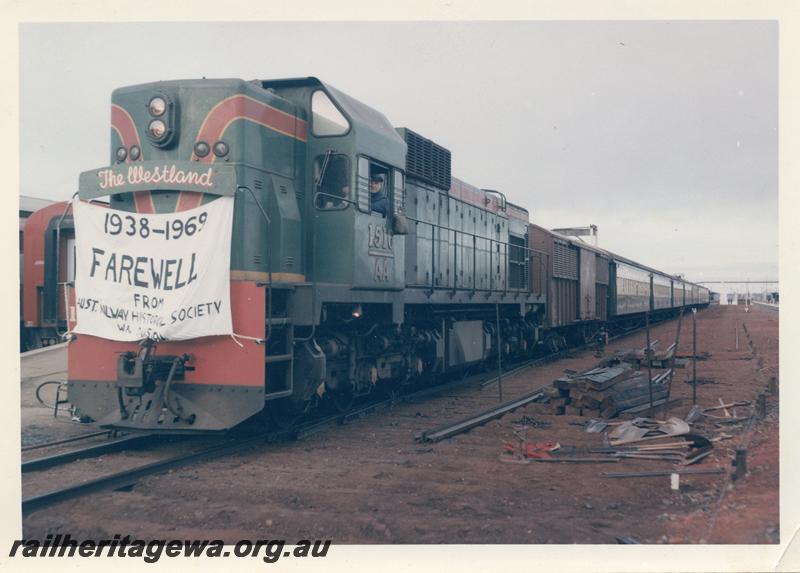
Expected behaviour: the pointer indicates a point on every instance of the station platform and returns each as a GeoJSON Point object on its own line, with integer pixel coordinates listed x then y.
{"type": "Point", "coordinates": [38, 422]}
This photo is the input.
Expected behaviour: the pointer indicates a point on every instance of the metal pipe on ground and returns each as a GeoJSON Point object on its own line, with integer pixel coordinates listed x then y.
{"type": "Point", "coordinates": [460, 426]}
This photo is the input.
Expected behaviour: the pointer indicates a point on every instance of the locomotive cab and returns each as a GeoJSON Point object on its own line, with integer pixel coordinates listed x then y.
{"type": "Point", "coordinates": [356, 191]}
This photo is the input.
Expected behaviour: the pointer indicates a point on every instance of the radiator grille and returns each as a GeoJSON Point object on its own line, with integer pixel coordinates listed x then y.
{"type": "Point", "coordinates": [602, 270]}
{"type": "Point", "coordinates": [426, 160]}
{"type": "Point", "coordinates": [565, 261]}
{"type": "Point", "coordinates": [517, 262]}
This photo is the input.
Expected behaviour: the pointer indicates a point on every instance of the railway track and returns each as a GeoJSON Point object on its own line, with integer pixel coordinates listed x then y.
{"type": "Point", "coordinates": [129, 477]}
{"type": "Point", "coordinates": [90, 435]}
{"type": "Point", "coordinates": [117, 445]}
{"type": "Point", "coordinates": [231, 445]}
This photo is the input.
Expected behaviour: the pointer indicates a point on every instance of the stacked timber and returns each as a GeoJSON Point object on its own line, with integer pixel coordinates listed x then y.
{"type": "Point", "coordinates": [605, 391]}
{"type": "Point", "coordinates": [658, 358]}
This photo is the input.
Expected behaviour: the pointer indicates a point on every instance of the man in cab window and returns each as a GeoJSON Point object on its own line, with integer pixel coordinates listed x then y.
{"type": "Point", "coordinates": [379, 202]}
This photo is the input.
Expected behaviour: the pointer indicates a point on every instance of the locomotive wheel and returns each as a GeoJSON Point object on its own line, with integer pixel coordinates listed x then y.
{"type": "Point", "coordinates": [342, 400]}
{"type": "Point", "coordinates": [284, 414]}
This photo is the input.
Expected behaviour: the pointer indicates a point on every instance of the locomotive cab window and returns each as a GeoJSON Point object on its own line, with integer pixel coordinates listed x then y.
{"type": "Point", "coordinates": [326, 119]}
{"type": "Point", "coordinates": [398, 192]}
{"type": "Point", "coordinates": [332, 177]}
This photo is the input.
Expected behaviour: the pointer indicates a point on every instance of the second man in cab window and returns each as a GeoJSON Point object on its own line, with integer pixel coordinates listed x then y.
{"type": "Point", "coordinates": [379, 202]}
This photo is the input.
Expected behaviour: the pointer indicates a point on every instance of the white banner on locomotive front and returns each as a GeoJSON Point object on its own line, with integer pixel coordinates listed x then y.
{"type": "Point", "coordinates": [164, 276]}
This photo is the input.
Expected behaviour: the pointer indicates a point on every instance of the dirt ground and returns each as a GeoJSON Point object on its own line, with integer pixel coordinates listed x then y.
{"type": "Point", "coordinates": [370, 482]}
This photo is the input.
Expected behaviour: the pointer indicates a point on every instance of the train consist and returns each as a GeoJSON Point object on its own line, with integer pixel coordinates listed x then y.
{"type": "Point", "coordinates": [356, 261]}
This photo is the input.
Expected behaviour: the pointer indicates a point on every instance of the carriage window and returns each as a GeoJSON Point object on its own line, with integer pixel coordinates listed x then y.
{"type": "Point", "coordinates": [326, 119]}
{"type": "Point", "coordinates": [332, 177]}
{"type": "Point", "coordinates": [70, 260]}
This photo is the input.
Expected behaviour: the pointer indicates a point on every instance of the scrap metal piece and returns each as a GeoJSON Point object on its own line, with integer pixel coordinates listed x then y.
{"type": "Point", "coordinates": [595, 426]}
{"type": "Point", "coordinates": [640, 429]}
{"type": "Point", "coordinates": [663, 473]}
{"type": "Point", "coordinates": [576, 459]}
{"type": "Point", "coordinates": [694, 414]}
{"type": "Point", "coordinates": [674, 427]}
{"type": "Point", "coordinates": [670, 456]}
{"type": "Point", "coordinates": [627, 433]}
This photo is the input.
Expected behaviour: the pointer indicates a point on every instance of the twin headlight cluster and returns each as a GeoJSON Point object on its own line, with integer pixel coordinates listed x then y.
{"type": "Point", "coordinates": [220, 149]}
{"type": "Point", "coordinates": [162, 130]}
{"type": "Point", "coordinates": [122, 153]}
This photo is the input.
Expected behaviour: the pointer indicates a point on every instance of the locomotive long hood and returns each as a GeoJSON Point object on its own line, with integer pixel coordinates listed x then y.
{"type": "Point", "coordinates": [149, 175]}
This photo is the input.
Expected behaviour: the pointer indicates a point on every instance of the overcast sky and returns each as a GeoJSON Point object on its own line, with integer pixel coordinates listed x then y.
{"type": "Point", "coordinates": [664, 134]}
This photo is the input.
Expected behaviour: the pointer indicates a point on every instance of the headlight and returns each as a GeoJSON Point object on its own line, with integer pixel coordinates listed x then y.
{"type": "Point", "coordinates": [220, 149]}
{"type": "Point", "coordinates": [122, 154]}
{"type": "Point", "coordinates": [157, 106]}
{"type": "Point", "coordinates": [201, 149]}
{"type": "Point", "coordinates": [157, 129]}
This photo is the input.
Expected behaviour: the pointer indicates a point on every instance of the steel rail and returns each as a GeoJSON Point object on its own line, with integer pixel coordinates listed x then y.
{"type": "Point", "coordinates": [66, 440]}
{"type": "Point", "coordinates": [124, 443]}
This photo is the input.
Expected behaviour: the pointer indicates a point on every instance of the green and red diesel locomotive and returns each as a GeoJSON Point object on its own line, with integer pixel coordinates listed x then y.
{"type": "Point", "coordinates": [335, 288]}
